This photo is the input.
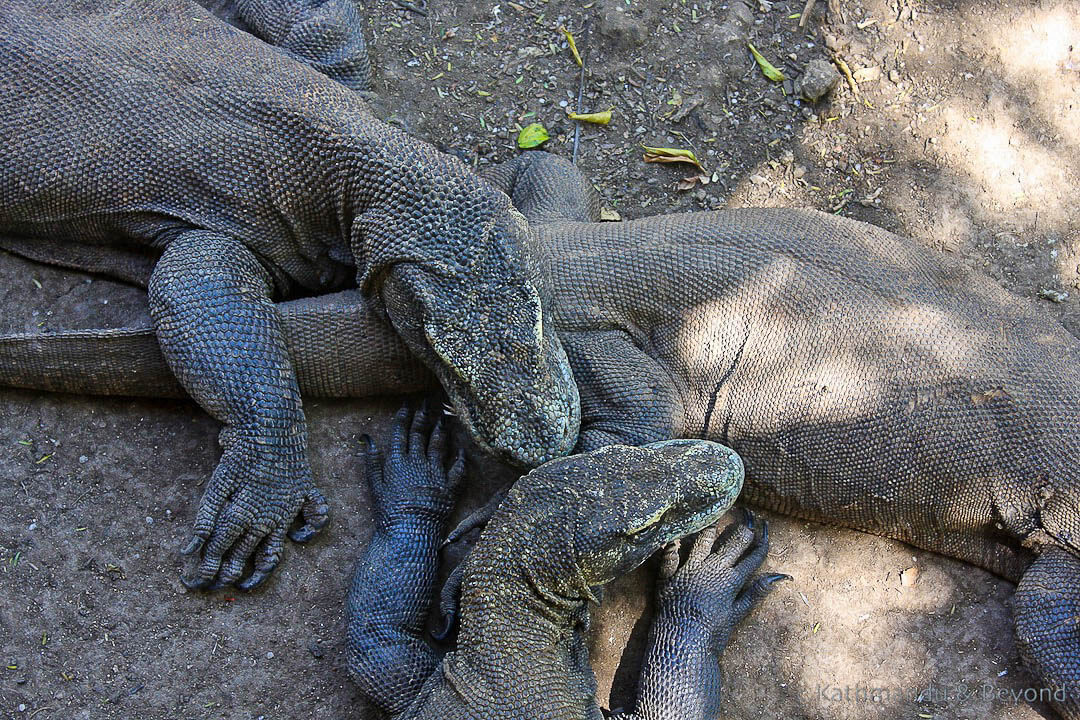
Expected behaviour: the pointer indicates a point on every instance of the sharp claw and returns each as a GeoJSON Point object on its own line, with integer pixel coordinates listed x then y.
{"type": "Point", "coordinates": [257, 578]}
{"type": "Point", "coordinates": [195, 584]}
{"type": "Point", "coordinates": [777, 577]}
{"type": "Point", "coordinates": [303, 534]}
{"type": "Point", "coordinates": [765, 531]}
{"type": "Point", "coordinates": [443, 634]}
{"type": "Point", "coordinates": [194, 546]}
{"type": "Point", "coordinates": [456, 534]}
{"type": "Point", "coordinates": [749, 518]}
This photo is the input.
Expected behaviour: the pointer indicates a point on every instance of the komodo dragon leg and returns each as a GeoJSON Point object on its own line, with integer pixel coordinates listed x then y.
{"type": "Point", "coordinates": [209, 296]}
{"type": "Point", "coordinates": [573, 524]}
{"type": "Point", "coordinates": [328, 35]}
{"type": "Point", "coordinates": [391, 589]}
{"type": "Point", "coordinates": [1047, 619]}
{"type": "Point", "coordinates": [698, 606]}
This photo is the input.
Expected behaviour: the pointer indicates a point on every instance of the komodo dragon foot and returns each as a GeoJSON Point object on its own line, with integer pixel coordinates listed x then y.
{"type": "Point", "coordinates": [412, 489]}
{"type": "Point", "coordinates": [698, 606]}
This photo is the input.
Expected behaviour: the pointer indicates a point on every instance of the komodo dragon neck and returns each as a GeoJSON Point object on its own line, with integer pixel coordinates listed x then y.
{"type": "Point", "coordinates": [538, 612]}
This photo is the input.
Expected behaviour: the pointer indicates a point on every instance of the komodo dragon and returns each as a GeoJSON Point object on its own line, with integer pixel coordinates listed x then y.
{"type": "Point", "coordinates": [865, 381]}
{"type": "Point", "coordinates": [153, 135]}
{"type": "Point", "coordinates": [567, 527]}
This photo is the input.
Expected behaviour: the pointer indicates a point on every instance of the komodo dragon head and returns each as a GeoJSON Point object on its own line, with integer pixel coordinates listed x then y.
{"type": "Point", "coordinates": [582, 521]}
{"type": "Point", "coordinates": [474, 309]}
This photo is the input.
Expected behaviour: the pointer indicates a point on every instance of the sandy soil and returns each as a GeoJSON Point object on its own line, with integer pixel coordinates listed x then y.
{"type": "Point", "coordinates": [962, 134]}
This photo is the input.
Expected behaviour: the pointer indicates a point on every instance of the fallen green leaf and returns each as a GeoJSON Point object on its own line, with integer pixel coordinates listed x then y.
{"type": "Point", "coordinates": [767, 68]}
{"type": "Point", "coordinates": [598, 118]}
{"type": "Point", "coordinates": [531, 136]}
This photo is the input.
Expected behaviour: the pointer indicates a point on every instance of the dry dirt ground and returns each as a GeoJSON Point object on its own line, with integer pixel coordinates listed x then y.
{"type": "Point", "coordinates": [959, 129]}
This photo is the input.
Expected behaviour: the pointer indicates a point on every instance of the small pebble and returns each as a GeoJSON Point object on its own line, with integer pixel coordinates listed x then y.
{"type": "Point", "coordinates": [83, 458]}
{"type": "Point", "coordinates": [149, 520]}
{"type": "Point", "coordinates": [33, 526]}
{"type": "Point", "coordinates": [1053, 295]}
{"type": "Point", "coordinates": [269, 656]}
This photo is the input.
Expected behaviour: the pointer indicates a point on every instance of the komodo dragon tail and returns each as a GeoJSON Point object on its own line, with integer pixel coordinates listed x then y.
{"type": "Point", "coordinates": [338, 346]}
{"type": "Point", "coordinates": [122, 361]}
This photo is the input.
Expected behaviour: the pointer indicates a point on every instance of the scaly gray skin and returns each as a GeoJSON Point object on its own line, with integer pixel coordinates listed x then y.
{"type": "Point", "coordinates": [154, 135]}
{"type": "Point", "coordinates": [566, 528]}
{"type": "Point", "coordinates": [325, 34]}
{"type": "Point", "coordinates": [865, 381]}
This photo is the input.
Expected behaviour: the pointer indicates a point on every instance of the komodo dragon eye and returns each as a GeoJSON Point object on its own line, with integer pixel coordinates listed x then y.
{"type": "Point", "coordinates": [650, 523]}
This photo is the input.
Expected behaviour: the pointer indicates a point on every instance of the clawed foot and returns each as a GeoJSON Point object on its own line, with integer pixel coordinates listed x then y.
{"type": "Point", "coordinates": [246, 510]}
{"type": "Point", "coordinates": [418, 475]}
{"type": "Point", "coordinates": [716, 586]}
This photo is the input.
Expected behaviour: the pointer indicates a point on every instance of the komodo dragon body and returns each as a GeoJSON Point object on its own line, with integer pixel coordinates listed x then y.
{"type": "Point", "coordinates": [567, 527]}
{"type": "Point", "coordinates": [864, 380]}
{"type": "Point", "coordinates": [153, 135]}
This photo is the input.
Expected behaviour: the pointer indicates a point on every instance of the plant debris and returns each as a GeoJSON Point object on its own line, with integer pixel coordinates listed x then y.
{"type": "Point", "coordinates": [767, 68]}
{"type": "Point", "coordinates": [597, 118]}
{"type": "Point", "coordinates": [573, 45]}
{"type": "Point", "coordinates": [678, 155]}
{"type": "Point", "coordinates": [531, 136]}
{"type": "Point", "coordinates": [671, 155]}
